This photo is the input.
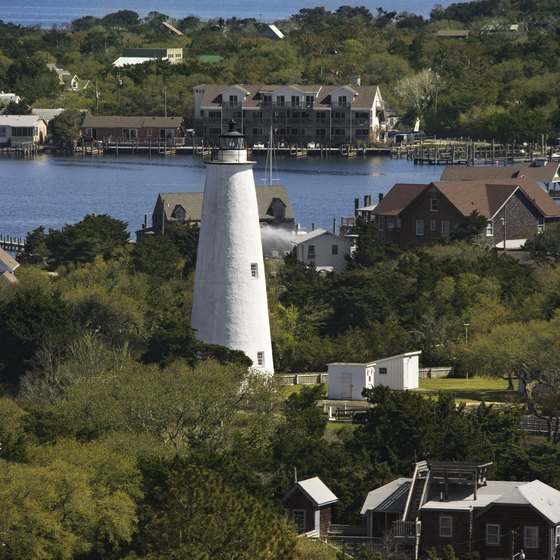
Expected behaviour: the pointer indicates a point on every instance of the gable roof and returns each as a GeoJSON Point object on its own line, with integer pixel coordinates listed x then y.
{"type": "Point", "coordinates": [542, 498]}
{"type": "Point", "coordinates": [390, 497]}
{"type": "Point", "coordinates": [212, 96]}
{"type": "Point", "coordinates": [131, 122]}
{"type": "Point", "coordinates": [171, 28]}
{"type": "Point", "coordinates": [398, 198]}
{"type": "Point", "coordinates": [47, 114]}
{"type": "Point", "coordinates": [485, 196]}
{"type": "Point", "coordinates": [192, 202]}
{"type": "Point", "coordinates": [316, 491]}
{"type": "Point", "coordinates": [318, 233]}
{"type": "Point", "coordinates": [7, 261]}
{"type": "Point", "coordinates": [20, 120]}
{"type": "Point", "coordinates": [539, 171]}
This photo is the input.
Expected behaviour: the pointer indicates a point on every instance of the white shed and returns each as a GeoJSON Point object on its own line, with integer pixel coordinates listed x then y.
{"type": "Point", "coordinates": [348, 380]}
{"type": "Point", "coordinates": [398, 372]}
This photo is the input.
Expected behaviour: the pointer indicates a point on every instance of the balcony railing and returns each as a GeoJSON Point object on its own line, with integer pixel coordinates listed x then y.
{"type": "Point", "coordinates": [407, 531]}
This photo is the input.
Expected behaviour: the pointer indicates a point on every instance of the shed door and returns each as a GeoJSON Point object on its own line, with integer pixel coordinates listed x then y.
{"type": "Point", "coordinates": [346, 386]}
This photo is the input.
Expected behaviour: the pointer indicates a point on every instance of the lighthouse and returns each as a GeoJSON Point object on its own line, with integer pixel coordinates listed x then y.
{"type": "Point", "coordinates": [230, 304]}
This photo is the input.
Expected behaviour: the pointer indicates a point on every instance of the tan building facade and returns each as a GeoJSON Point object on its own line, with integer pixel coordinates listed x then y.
{"type": "Point", "coordinates": [298, 115]}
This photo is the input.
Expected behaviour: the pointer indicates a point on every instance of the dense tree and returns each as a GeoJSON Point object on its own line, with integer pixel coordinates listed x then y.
{"type": "Point", "coordinates": [198, 516]}
{"type": "Point", "coordinates": [65, 128]}
{"type": "Point", "coordinates": [34, 318]}
{"type": "Point", "coordinates": [81, 242]}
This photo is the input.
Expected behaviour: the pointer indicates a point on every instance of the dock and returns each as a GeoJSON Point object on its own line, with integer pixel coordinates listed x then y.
{"type": "Point", "coordinates": [12, 244]}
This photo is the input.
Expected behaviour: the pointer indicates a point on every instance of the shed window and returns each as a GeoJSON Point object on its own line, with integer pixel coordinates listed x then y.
{"type": "Point", "coordinates": [382, 371]}
{"type": "Point", "coordinates": [298, 517]}
{"type": "Point", "coordinates": [311, 252]}
{"type": "Point", "coordinates": [492, 533]}
{"type": "Point", "coordinates": [445, 526]}
{"type": "Point", "coordinates": [531, 537]}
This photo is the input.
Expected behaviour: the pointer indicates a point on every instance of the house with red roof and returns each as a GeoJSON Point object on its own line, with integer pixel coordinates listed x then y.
{"type": "Point", "coordinates": [515, 210]}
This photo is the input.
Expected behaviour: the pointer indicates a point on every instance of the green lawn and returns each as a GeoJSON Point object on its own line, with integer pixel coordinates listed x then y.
{"type": "Point", "coordinates": [473, 390]}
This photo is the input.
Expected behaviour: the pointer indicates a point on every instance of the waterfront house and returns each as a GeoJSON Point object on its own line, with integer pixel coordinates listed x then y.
{"type": "Point", "coordinates": [273, 204]}
{"type": "Point", "coordinates": [17, 130]}
{"type": "Point", "coordinates": [323, 250]}
{"type": "Point", "coordinates": [348, 380]}
{"type": "Point", "coordinates": [309, 504]}
{"type": "Point", "coordinates": [453, 503]}
{"type": "Point", "coordinates": [299, 114]}
{"type": "Point", "coordinates": [8, 266]}
{"type": "Point", "coordinates": [543, 171]}
{"type": "Point", "coordinates": [515, 209]}
{"type": "Point", "coordinates": [144, 130]}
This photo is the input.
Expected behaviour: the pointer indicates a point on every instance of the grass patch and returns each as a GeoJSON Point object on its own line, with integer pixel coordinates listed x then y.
{"type": "Point", "coordinates": [472, 391]}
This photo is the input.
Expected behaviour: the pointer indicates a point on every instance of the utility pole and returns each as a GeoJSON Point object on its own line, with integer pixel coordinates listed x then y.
{"type": "Point", "coordinates": [119, 84]}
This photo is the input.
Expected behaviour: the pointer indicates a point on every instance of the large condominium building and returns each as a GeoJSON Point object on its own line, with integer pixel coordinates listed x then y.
{"type": "Point", "coordinates": [297, 115]}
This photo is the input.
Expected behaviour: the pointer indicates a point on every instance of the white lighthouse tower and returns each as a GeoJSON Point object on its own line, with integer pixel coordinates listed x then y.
{"type": "Point", "coordinates": [230, 305]}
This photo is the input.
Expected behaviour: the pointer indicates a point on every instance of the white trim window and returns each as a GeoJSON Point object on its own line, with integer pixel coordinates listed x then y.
{"type": "Point", "coordinates": [492, 534]}
{"type": "Point", "coordinates": [434, 205]}
{"type": "Point", "coordinates": [382, 371]}
{"type": "Point", "coordinates": [445, 227]}
{"type": "Point", "coordinates": [490, 228]}
{"type": "Point", "coordinates": [445, 526]}
{"type": "Point", "coordinates": [540, 225]}
{"type": "Point", "coordinates": [419, 227]}
{"type": "Point", "coordinates": [530, 537]}
{"type": "Point", "coordinates": [433, 225]}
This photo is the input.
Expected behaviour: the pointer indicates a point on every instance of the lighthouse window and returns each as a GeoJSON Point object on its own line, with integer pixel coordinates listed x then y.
{"type": "Point", "coordinates": [254, 270]}
{"type": "Point", "coordinates": [260, 359]}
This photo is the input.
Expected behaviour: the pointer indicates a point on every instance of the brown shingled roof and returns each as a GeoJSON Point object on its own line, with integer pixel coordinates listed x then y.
{"type": "Point", "coordinates": [398, 198]}
{"type": "Point", "coordinates": [489, 196]}
{"type": "Point", "coordinates": [485, 196]}
{"type": "Point", "coordinates": [364, 99]}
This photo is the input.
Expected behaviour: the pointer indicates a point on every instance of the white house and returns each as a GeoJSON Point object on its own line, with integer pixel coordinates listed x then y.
{"type": "Point", "coordinates": [6, 98]}
{"type": "Point", "coordinates": [348, 380]}
{"type": "Point", "coordinates": [22, 129]}
{"type": "Point", "coordinates": [323, 249]}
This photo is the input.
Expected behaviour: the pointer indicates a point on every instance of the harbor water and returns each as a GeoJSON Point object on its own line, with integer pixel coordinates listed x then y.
{"type": "Point", "coordinates": [52, 191]}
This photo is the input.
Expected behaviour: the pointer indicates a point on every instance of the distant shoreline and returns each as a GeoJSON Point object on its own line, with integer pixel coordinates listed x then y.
{"type": "Point", "coordinates": [47, 14]}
